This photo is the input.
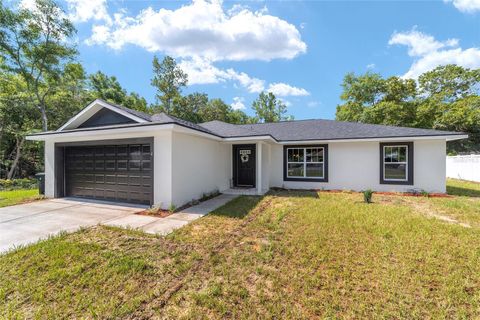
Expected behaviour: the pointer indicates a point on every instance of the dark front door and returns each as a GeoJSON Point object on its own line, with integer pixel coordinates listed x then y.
{"type": "Point", "coordinates": [120, 172]}
{"type": "Point", "coordinates": [244, 165]}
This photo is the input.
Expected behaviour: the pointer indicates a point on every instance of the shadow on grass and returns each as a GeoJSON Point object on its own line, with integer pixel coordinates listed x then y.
{"type": "Point", "coordinates": [466, 192]}
{"type": "Point", "coordinates": [238, 207]}
{"type": "Point", "coordinates": [294, 193]}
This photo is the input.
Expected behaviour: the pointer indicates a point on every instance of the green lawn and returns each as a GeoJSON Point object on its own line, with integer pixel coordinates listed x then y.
{"type": "Point", "coordinates": [10, 198]}
{"type": "Point", "coordinates": [286, 255]}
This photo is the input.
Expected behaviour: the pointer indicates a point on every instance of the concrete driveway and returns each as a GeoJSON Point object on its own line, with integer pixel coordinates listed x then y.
{"type": "Point", "coordinates": [26, 223]}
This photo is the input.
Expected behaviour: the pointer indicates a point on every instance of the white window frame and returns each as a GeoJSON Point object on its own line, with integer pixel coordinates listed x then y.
{"type": "Point", "coordinates": [399, 162]}
{"type": "Point", "coordinates": [304, 162]}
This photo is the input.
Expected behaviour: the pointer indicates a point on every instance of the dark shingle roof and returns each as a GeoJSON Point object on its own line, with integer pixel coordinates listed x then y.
{"type": "Point", "coordinates": [320, 129]}
{"type": "Point", "coordinates": [160, 118]}
{"type": "Point", "coordinates": [165, 118]}
{"type": "Point", "coordinates": [301, 130]}
{"type": "Point", "coordinates": [136, 113]}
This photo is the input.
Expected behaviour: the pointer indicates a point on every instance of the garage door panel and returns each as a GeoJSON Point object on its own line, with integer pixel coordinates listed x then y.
{"type": "Point", "coordinates": [110, 172]}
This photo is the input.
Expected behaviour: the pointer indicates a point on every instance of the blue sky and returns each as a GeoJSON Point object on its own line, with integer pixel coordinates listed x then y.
{"type": "Point", "coordinates": [299, 50]}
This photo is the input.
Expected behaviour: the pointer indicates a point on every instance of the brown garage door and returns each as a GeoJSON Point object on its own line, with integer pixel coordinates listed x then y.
{"type": "Point", "coordinates": [121, 173]}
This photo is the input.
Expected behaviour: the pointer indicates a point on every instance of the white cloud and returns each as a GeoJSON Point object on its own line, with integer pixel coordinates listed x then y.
{"type": "Point", "coordinates": [285, 102]}
{"type": "Point", "coordinates": [238, 104]}
{"type": "Point", "coordinates": [282, 90]}
{"type": "Point", "coordinates": [371, 66]}
{"type": "Point", "coordinates": [203, 28]}
{"type": "Point", "coordinates": [466, 6]}
{"type": "Point", "coordinates": [313, 104]}
{"type": "Point", "coordinates": [202, 71]}
{"type": "Point", "coordinates": [86, 10]}
{"type": "Point", "coordinates": [28, 4]}
{"type": "Point", "coordinates": [430, 53]}
{"type": "Point", "coordinates": [420, 43]}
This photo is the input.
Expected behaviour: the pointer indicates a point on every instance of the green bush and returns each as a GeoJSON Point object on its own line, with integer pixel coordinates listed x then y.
{"type": "Point", "coordinates": [15, 184]}
{"type": "Point", "coordinates": [367, 196]}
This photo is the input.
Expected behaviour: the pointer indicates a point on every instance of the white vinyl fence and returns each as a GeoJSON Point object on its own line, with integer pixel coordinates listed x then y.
{"type": "Point", "coordinates": [464, 167]}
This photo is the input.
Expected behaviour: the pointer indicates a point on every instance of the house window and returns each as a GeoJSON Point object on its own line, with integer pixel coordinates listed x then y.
{"type": "Point", "coordinates": [305, 163]}
{"type": "Point", "coordinates": [396, 163]}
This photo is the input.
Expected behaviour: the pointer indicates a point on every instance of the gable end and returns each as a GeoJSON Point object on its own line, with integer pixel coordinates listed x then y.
{"type": "Point", "coordinates": [105, 117]}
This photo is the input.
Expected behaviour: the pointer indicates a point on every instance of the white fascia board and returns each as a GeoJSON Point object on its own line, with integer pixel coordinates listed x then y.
{"type": "Point", "coordinates": [93, 108]}
{"type": "Point", "coordinates": [146, 130]}
{"type": "Point", "coordinates": [446, 137]}
{"type": "Point", "coordinates": [250, 138]}
{"type": "Point", "coordinates": [459, 137]}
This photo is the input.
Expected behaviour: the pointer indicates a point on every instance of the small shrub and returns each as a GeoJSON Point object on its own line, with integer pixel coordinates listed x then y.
{"type": "Point", "coordinates": [424, 193]}
{"type": "Point", "coordinates": [367, 196]}
{"type": "Point", "coordinates": [172, 208]}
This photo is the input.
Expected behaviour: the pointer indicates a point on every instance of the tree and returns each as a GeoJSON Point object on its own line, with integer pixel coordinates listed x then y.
{"type": "Point", "coordinates": [70, 95]}
{"type": "Point", "coordinates": [109, 89]}
{"type": "Point", "coordinates": [168, 79]}
{"type": "Point", "coordinates": [17, 118]}
{"type": "Point", "coordinates": [269, 109]}
{"type": "Point", "coordinates": [449, 83]}
{"type": "Point", "coordinates": [445, 98]}
{"type": "Point", "coordinates": [372, 99]}
{"type": "Point", "coordinates": [35, 45]}
{"type": "Point", "coordinates": [189, 107]}
{"type": "Point", "coordinates": [217, 109]}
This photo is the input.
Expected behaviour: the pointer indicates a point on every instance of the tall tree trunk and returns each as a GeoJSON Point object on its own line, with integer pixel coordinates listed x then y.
{"type": "Point", "coordinates": [18, 153]}
{"type": "Point", "coordinates": [44, 117]}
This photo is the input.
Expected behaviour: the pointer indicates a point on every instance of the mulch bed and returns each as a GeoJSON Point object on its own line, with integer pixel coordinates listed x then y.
{"type": "Point", "coordinates": [162, 213]}
{"type": "Point", "coordinates": [159, 213]}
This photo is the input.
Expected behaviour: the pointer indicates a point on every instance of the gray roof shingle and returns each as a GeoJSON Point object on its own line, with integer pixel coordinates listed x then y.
{"type": "Point", "coordinates": [300, 130]}
{"type": "Point", "coordinates": [303, 130]}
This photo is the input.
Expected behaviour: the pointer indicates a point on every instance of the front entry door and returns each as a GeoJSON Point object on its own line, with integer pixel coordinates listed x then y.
{"type": "Point", "coordinates": [244, 165]}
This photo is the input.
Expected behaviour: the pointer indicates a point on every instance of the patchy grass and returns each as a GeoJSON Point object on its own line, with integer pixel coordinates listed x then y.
{"type": "Point", "coordinates": [10, 198]}
{"type": "Point", "coordinates": [286, 255]}
{"type": "Point", "coordinates": [463, 188]}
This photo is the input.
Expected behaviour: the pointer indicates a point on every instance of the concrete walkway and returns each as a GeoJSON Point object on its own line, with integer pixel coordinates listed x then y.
{"type": "Point", "coordinates": [164, 226]}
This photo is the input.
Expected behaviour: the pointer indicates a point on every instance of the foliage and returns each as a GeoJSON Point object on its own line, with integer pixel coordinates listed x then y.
{"type": "Point", "coordinates": [6, 184]}
{"type": "Point", "coordinates": [367, 196]}
{"type": "Point", "coordinates": [109, 89]}
{"type": "Point", "coordinates": [168, 79]}
{"type": "Point", "coordinates": [446, 98]}
{"type": "Point", "coordinates": [196, 107]}
{"type": "Point", "coordinates": [35, 45]}
{"type": "Point", "coordinates": [269, 109]}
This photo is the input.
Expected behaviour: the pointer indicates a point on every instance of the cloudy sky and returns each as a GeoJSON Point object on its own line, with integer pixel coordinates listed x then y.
{"type": "Point", "coordinates": [299, 50]}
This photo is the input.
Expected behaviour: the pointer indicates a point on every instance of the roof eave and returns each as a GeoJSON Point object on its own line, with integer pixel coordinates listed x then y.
{"type": "Point", "coordinates": [447, 137]}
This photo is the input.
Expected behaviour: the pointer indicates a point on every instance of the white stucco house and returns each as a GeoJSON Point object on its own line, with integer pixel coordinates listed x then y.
{"type": "Point", "coordinates": [109, 152]}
